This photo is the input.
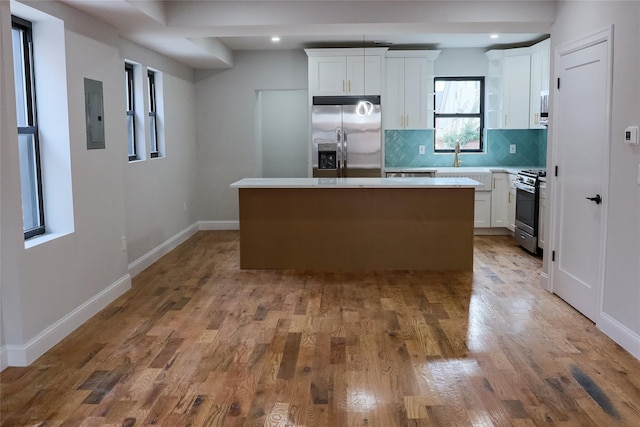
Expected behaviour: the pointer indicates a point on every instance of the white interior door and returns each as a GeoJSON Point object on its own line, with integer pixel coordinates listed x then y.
{"type": "Point", "coordinates": [582, 129]}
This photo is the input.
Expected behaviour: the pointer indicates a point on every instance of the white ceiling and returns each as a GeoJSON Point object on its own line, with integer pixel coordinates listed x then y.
{"type": "Point", "coordinates": [204, 33]}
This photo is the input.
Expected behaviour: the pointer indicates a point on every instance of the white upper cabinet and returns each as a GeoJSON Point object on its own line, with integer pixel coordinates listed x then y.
{"type": "Point", "coordinates": [364, 75]}
{"type": "Point", "coordinates": [328, 75]}
{"type": "Point", "coordinates": [340, 72]}
{"type": "Point", "coordinates": [540, 72]}
{"type": "Point", "coordinates": [408, 97]}
{"type": "Point", "coordinates": [516, 82]}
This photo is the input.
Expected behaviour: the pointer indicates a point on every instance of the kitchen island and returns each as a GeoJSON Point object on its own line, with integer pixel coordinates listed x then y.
{"type": "Point", "coordinates": [356, 223]}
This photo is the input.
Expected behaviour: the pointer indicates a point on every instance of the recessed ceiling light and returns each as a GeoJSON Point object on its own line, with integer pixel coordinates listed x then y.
{"type": "Point", "coordinates": [275, 39]}
{"type": "Point", "coordinates": [494, 36]}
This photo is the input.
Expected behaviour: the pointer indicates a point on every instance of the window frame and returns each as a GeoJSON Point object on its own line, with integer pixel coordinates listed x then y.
{"type": "Point", "coordinates": [131, 111]}
{"type": "Point", "coordinates": [479, 115]}
{"type": "Point", "coordinates": [153, 114]}
{"type": "Point", "coordinates": [26, 27]}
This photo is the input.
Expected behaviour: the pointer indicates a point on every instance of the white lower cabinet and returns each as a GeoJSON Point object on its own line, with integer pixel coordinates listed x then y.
{"type": "Point", "coordinates": [499, 199]}
{"type": "Point", "coordinates": [482, 212]}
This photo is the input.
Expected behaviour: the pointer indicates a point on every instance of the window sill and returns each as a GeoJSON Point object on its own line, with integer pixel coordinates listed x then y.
{"type": "Point", "coordinates": [43, 238]}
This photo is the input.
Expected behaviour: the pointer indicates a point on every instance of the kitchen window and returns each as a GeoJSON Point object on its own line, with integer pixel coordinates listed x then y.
{"type": "Point", "coordinates": [28, 138]}
{"type": "Point", "coordinates": [131, 113]}
{"type": "Point", "coordinates": [459, 115]}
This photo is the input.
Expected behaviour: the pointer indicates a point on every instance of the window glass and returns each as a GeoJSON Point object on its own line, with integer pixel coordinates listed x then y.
{"type": "Point", "coordinates": [131, 115]}
{"type": "Point", "coordinates": [29, 181]}
{"type": "Point", "coordinates": [153, 126]}
{"type": "Point", "coordinates": [19, 72]}
{"type": "Point", "coordinates": [28, 142]}
{"type": "Point", "coordinates": [458, 117]}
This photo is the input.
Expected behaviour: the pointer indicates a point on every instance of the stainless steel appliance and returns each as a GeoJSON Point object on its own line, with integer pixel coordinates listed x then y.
{"type": "Point", "coordinates": [527, 188]}
{"type": "Point", "coordinates": [346, 136]}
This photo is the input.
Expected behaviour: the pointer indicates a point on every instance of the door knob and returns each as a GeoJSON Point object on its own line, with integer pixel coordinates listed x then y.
{"type": "Point", "coordinates": [596, 199]}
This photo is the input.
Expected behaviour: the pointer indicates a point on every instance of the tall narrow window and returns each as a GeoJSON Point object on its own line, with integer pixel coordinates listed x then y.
{"type": "Point", "coordinates": [459, 116]}
{"type": "Point", "coordinates": [131, 114]}
{"type": "Point", "coordinates": [153, 116]}
{"type": "Point", "coordinates": [28, 141]}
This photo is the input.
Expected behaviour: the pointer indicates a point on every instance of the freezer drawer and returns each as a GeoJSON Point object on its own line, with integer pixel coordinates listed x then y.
{"type": "Point", "coordinates": [526, 240]}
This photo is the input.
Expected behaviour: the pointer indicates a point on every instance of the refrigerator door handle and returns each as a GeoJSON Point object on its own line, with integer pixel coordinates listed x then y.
{"type": "Point", "coordinates": [339, 152]}
{"type": "Point", "coordinates": [345, 149]}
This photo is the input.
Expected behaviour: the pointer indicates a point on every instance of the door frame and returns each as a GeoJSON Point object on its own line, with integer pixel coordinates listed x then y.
{"type": "Point", "coordinates": [603, 35]}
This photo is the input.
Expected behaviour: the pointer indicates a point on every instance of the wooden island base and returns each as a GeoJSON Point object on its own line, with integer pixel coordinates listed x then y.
{"type": "Point", "coordinates": [357, 228]}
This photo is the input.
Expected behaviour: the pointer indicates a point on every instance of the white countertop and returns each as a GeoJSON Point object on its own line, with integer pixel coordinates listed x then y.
{"type": "Point", "coordinates": [355, 183]}
{"type": "Point", "coordinates": [461, 169]}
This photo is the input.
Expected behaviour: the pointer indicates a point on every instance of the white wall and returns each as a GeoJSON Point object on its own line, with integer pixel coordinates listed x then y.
{"type": "Point", "coordinates": [622, 267]}
{"type": "Point", "coordinates": [51, 288]}
{"type": "Point", "coordinates": [225, 120]}
{"type": "Point", "coordinates": [461, 62]}
{"type": "Point", "coordinates": [158, 189]}
{"type": "Point", "coordinates": [283, 133]}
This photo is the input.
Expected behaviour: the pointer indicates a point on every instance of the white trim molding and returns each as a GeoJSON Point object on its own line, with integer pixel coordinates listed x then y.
{"type": "Point", "coordinates": [219, 225]}
{"type": "Point", "coordinates": [145, 261]}
{"type": "Point", "coordinates": [4, 362]}
{"type": "Point", "coordinates": [622, 335]}
{"type": "Point", "coordinates": [23, 355]}
{"type": "Point", "coordinates": [544, 281]}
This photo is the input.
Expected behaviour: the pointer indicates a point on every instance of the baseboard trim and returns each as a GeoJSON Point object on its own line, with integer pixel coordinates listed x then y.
{"type": "Point", "coordinates": [219, 225]}
{"type": "Point", "coordinates": [23, 355]}
{"type": "Point", "coordinates": [618, 332]}
{"type": "Point", "coordinates": [544, 281]}
{"type": "Point", "coordinates": [4, 362]}
{"type": "Point", "coordinates": [145, 261]}
{"type": "Point", "coordinates": [495, 231]}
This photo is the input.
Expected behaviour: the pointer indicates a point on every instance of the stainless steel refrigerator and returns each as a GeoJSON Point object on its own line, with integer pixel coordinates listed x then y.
{"type": "Point", "coordinates": [346, 136]}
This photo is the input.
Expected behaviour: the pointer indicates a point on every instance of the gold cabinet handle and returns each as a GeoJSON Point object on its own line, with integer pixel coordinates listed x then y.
{"type": "Point", "coordinates": [343, 85]}
{"type": "Point", "coordinates": [349, 86]}
{"type": "Point", "coordinates": [505, 120]}
{"type": "Point", "coordinates": [407, 120]}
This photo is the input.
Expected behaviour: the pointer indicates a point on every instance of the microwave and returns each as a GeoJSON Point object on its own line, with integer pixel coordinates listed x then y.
{"type": "Point", "coordinates": [544, 107]}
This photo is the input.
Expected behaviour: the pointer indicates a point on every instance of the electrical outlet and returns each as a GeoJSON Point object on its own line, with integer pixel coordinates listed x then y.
{"type": "Point", "coordinates": [512, 148]}
{"type": "Point", "coordinates": [123, 244]}
{"type": "Point", "coordinates": [422, 149]}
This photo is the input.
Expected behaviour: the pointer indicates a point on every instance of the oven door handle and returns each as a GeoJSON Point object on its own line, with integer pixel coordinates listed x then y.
{"type": "Point", "coordinates": [524, 187]}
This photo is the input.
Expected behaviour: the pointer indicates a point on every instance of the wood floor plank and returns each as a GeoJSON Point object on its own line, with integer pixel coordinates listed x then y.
{"type": "Point", "coordinates": [199, 342]}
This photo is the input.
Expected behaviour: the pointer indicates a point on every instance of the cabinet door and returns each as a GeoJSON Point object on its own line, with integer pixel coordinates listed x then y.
{"type": "Point", "coordinates": [516, 84]}
{"type": "Point", "coordinates": [328, 75]}
{"type": "Point", "coordinates": [536, 87]}
{"type": "Point", "coordinates": [511, 210]}
{"type": "Point", "coordinates": [393, 111]}
{"type": "Point", "coordinates": [539, 80]}
{"type": "Point", "coordinates": [364, 74]}
{"type": "Point", "coordinates": [482, 209]}
{"type": "Point", "coordinates": [418, 109]}
{"type": "Point", "coordinates": [499, 199]}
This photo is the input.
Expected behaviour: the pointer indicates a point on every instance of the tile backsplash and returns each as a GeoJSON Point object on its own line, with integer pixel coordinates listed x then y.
{"type": "Point", "coordinates": [402, 149]}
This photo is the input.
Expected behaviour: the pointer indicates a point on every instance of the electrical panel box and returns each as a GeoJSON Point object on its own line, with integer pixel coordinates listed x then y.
{"type": "Point", "coordinates": [94, 114]}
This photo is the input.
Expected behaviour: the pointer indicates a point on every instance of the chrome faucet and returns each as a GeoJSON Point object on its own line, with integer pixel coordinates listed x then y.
{"type": "Point", "coordinates": [456, 162]}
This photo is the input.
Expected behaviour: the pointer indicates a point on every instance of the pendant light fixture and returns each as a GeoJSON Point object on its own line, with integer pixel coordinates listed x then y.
{"type": "Point", "coordinates": [364, 107]}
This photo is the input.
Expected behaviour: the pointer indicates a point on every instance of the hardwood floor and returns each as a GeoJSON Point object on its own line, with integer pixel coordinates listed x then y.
{"type": "Point", "coordinates": [199, 342]}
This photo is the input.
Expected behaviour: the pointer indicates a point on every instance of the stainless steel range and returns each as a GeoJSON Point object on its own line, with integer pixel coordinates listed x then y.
{"type": "Point", "coordinates": [527, 189]}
